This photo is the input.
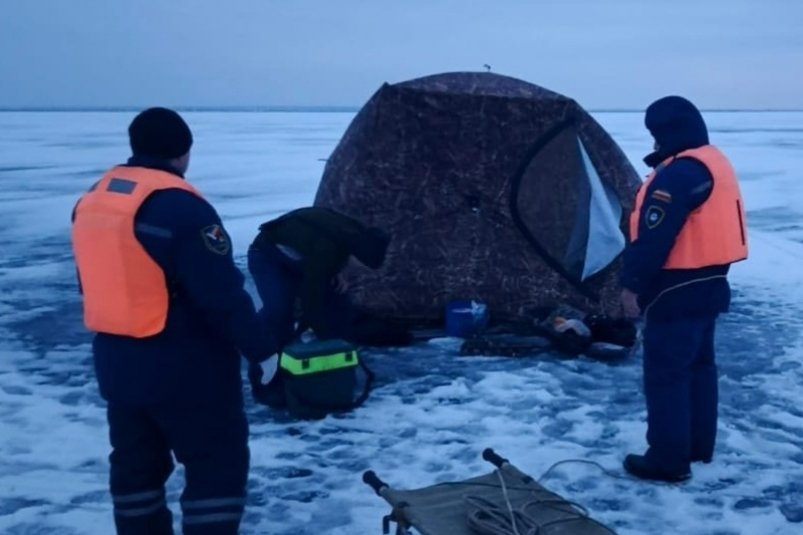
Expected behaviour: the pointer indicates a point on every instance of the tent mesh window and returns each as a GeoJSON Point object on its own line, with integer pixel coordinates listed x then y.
{"type": "Point", "coordinates": [566, 209]}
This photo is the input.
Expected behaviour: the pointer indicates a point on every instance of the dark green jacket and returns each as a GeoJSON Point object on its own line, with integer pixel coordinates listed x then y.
{"type": "Point", "coordinates": [325, 240]}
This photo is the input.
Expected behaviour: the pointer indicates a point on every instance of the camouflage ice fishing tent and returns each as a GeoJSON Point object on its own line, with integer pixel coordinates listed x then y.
{"type": "Point", "coordinates": [492, 188]}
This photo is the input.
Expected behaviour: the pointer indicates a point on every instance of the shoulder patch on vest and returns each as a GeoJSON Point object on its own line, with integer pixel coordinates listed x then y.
{"type": "Point", "coordinates": [121, 185]}
{"type": "Point", "coordinates": [654, 216]}
{"type": "Point", "coordinates": [662, 196]}
{"type": "Point", "coordinates": [216, 239]}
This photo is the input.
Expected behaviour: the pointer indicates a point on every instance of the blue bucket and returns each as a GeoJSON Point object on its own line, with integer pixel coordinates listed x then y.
{"type": "Point", "coordinates": [466, 318]}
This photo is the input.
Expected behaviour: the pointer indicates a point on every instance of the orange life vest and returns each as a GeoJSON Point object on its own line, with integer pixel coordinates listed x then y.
{"type": "Point", "coordinates": [124, 289]}
{"type": "Point", "coordinates": [715, 233]}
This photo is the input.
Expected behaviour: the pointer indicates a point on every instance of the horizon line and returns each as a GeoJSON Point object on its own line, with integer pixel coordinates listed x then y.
{"type": "Point", "coordinates": [319, 109]}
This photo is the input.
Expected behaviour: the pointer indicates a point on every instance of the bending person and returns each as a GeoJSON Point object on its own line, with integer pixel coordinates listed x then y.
{"type": "Point", "coordinates": [296, 261]}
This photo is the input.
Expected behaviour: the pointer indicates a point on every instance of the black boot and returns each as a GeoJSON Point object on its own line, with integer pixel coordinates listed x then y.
{"type": "Point", "coordinates": [640, 467]}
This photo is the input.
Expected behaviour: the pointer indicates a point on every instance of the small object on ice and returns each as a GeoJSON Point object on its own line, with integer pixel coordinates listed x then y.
{"type": "Point", "coordinates": [792, 512]}
{"type": "Point", "coordinates": [750, 503]}
{"type": "Point", "coordinates": [308, 336]}
{"type": "Point", "coordinates": [478, 310]}
{"type": "Point", "coordinates": [466, 318]}
{"type": "Point", "coordinates": [562, 325]}
{"type": "Point", "coordinates": [608, 352]}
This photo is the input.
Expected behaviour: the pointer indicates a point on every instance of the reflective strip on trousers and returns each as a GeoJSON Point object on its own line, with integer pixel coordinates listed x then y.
{"type": "Point", "coordinates": [146, 496]}
{"type": "Point", "coordinates": [139, 503]}
{"type": "Point", "coordinates": [212, 503]}
{"type": "Point", "coordinates": [212, 518]}
{"type": "Point", "coordinates": [213, 510]}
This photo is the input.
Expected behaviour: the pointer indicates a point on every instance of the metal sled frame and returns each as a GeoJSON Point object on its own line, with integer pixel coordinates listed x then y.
{"type": "Point", "coordinates": [442, 509]}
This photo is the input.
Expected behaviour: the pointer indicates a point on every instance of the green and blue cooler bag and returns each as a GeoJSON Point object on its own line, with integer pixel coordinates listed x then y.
{"type": "Point", "coordinates": [320, 377]}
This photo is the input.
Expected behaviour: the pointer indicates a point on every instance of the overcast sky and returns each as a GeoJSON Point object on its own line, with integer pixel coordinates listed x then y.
{"type": "Point", "coordinates": [604, 53]}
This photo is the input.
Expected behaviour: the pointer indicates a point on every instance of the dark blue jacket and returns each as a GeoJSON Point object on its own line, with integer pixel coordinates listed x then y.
{"type": "Point", "coordinates": [195, 360]}
{"type": "Point", "coordinates": [681, 186]}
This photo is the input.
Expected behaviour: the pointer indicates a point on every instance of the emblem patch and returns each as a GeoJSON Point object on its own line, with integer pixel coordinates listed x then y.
{"type": "Point", "coordinates": [654, 216]}
{"type": "Point", "coordinates": [216, 239]}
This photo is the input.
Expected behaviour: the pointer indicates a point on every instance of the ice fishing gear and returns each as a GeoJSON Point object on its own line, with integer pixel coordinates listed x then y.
{"type": "Point", "coordinates": [466, 318]}
{"type": "Point", "coordinates": [564, 326]}
{"type": "Point", "coordinates": [503, 502]}
{"type": "Point", "coordinates": [320, 377]}
{"type": "Point", "coordinates": [557, 331]}
{"type": "Point", "coordinates": [619, 331]}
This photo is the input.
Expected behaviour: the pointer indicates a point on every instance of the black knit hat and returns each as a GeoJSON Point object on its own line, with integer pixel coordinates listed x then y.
{"type": "Point", "coordinates": [159, 133]}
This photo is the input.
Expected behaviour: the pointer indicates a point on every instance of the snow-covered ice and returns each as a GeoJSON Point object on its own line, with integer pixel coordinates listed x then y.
{"type": "Point", "coordinates": [433, 412]}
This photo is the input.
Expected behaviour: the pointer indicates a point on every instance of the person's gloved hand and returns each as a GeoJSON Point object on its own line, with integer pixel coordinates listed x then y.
{"type": "Point", "coordinates": [269, 367]}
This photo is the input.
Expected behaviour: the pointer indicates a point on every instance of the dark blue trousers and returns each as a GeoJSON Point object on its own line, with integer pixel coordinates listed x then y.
{"type": "Point", "coordinates": [279, 282]}
{"type": "Point", "coordinates": [680, 384]}
{"type": "Point", "coordinates": [211, 443]}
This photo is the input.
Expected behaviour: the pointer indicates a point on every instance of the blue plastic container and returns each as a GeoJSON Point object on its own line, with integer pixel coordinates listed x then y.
{"type": "Point", "coordinates": [466, 318]}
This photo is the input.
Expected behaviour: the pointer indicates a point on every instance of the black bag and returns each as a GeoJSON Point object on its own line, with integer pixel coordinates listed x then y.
{"type": "Point", "coordinates": [566, 330]}
{"type": "Point", "coordinates": [617, 331]}
{"type": "Point", "coordinates": [320, 378]}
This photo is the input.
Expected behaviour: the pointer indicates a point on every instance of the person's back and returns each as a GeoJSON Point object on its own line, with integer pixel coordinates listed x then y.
{"type": "Point", "coordinates": [171, 315]}
{"type": "Point", "coordinates": [315, 232]}
{"type": "Point", "coordinates": [192, 360]}
{"type": "Point", "coordinates": [316, 244]}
